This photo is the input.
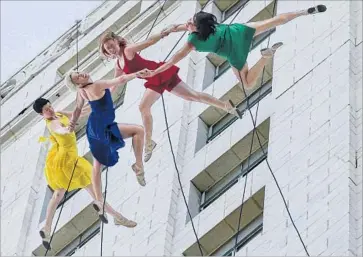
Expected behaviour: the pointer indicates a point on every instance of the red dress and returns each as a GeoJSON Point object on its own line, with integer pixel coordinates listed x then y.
{"type": "Point", "coordinates": [165, 80]}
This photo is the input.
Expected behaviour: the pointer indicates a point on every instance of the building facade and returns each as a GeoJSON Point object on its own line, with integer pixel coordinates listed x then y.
{"type": "Point", "coordinates": [309, 124]}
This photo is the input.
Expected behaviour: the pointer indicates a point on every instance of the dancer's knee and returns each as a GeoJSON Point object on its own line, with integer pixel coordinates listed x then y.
{"type": "Point", "coordinates": [144, 109]}
{"type": "Point", "coordinates": [58, 195]}
{"type": "Point", "coordinates": [140, 131]}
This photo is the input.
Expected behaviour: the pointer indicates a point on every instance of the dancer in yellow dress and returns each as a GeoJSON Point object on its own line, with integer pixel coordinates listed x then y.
{"type": "Point", "coordinates": [62, 158]}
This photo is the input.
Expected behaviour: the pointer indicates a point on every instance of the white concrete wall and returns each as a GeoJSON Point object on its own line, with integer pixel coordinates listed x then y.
{"type": "Point", "coordinates": [309, 149]}
{"type": "Point", "coordinates": [315, 112]}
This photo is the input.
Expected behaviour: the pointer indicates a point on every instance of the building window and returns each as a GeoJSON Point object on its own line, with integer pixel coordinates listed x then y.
{"type": "Point", "coordinates": [226, 121]}
{"type": "Point", "coordinates": [79, 232]}
{"type": "Point", "coordinates": [233, 8]}
{"type": "Point", "coordinates": [230, 179]}
{"type": "Point", "coordinates": [81, 240]}
{"type": "Point", "coordinates": [220, 176]}
{"type": "Point", "coordinates": [244, 237]}
{"type": "Point", "coordinates": [224, 66]}
{"type": "Point", "coordinates": [220, 239]}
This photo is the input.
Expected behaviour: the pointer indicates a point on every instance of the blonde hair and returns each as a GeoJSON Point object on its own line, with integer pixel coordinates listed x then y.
{"type": "Point", "coordinates": [69, 82]}
{"type": "Point", "coordinates": [110, 35]}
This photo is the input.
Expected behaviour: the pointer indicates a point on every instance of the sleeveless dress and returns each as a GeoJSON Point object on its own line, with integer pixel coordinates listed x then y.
{"type": "Point", "coordinates": [62, 157]}
{"type": "Point", "coordinates": [103, 134]}
{"type": "Point", "coordinates": [232, 42]}
{"type": "Point", "coordinates": [165, 80]}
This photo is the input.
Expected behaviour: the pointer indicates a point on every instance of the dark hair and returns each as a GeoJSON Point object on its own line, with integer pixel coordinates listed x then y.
{"type": "Point", "coordinates": [205, 23]}
{"type": "Point", "coordinates": [39, 104]}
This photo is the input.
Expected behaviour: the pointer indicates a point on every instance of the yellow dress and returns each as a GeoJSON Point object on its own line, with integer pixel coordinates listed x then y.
{"type": "Point", "coordinates": [61, 159]}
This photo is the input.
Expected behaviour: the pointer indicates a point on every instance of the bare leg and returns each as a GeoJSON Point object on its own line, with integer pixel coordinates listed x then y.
{"type": "Point", "coordinates": [108, 207]}
{"type": "Point", "coordinates": [250, 76]}
{"type": "Point", "coordinates": [262, 26]}
{"type": "Point", "coordinates": [137, 134]}
{"type": "Point", "coordinates": [96, 180]}
{"type": "Point", "coordinates": [118, 218]}
{"type": "Point", "coordinates": [184, 91]}
{"type": "Point", "coordinates": [149, 98]}
{"type": "Point", "coordinates": [52, 207]}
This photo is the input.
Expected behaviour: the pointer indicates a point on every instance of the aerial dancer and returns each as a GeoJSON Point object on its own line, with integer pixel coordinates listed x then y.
{"type": "Point", "coordinates": [232, 42]}
{"type": "Point", "coordinates": [63, 160]}
{"type": "Point", "coordinates": [128, 61]}
{"type": "Point", "coordinates": [104, 135]}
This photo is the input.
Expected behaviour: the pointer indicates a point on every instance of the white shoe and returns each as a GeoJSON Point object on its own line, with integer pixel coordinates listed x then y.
{"type": "Point", "coordinates": [150, 146]}
{"type": "Point", "coordinates": [124, 222]}
{"type": "Point", "coordinates": [269, 52]}
{"type": "Point", "coordinates": [140, 174]}
{"type": "Point", "coordinates": [231, 108]}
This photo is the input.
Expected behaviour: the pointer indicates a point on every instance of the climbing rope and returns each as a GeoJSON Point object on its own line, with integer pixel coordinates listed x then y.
{"type": "Point", "coordinates": [174, 158]}
{"type": "Point", "coordinates": [254, 120]}
{"type": "Point", "coordinates": [106, 180]}
{"type": "Point", "coordinates": [235, 248]}
{"type": "Point", "coordinates": [261, 146]}
{"type": "Point", "coordinates": [74, 167]}
{"type": "Point", "coordinates": [172, 150]}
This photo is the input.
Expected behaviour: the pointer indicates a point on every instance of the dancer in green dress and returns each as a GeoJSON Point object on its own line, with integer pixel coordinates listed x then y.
{"type": "Point", "coordinates": [232, 41]}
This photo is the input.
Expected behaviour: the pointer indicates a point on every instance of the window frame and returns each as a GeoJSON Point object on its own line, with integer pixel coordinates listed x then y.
{"type": "Point", "coordinates": [261, 93]}
{"type": "Point", "coordinates": [245, 235]}
{"type": "Point", "coordinates": [243, 171]}
{"type": "Point", "coordinates": [233, 9]}
{"type": "Point", "coordinates": [82, 239]}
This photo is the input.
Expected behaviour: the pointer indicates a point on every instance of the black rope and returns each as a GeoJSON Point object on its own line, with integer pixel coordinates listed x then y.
{"type": "Point", "coordinates": [106, 182]}
{"type": "Point", "coordinates": [254, 120]}
{"type": "Point", "coordinates": [157, 16]}
{"type": "Point", "coordinates": [60, 212]}
{"type": "Point", "coordinates": [253, 135]}
{"type": "Point", "coordinates": [254, 129]}
{"type": "Point", "coordinates": [172, 150]}
{"type": "Point", "coordinates": [103, 208]}
{"type": "Point", "coordinates": [74, 167]}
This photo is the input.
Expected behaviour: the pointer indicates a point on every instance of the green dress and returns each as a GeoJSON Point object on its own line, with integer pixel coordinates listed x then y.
{"type": "Point", "coordinates": [232, 42]}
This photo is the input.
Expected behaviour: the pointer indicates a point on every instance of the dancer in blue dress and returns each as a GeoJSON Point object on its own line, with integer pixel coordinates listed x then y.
{"type": "Point", "coordinates": [105, 136]}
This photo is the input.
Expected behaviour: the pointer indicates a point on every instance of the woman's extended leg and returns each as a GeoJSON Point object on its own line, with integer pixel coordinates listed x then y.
{"type": "Point", "coordinates": [149, 98]}
{"type": "Point", "coordinates": [108, 209]}
{"type": "Point", "coordinates": [262, 26]}
{"type": "Point", "coordinates": [184, 91]}
{"type": "Point", "coordinates": [52, 207]}
{"type": "Point", "coordinates": [137, 134]}
{"type": "Point", "coordinates": [248, 77]}
{"type": "Point", "coordinates": [96, 180]}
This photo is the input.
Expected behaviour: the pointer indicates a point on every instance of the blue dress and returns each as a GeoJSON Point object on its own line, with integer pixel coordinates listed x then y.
{"type": "Point", "coordinates": [103, 134]}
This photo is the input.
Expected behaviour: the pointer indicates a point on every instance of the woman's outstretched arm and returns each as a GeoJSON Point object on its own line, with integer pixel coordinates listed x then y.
{"type": "Point", "coordinates": [181, 54]}
{"type": "Point", "coordinates": [131, 49]}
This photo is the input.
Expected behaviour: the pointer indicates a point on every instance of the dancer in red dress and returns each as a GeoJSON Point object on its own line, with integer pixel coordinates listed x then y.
{"type": "Point", "coordinates": [129, 61]}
